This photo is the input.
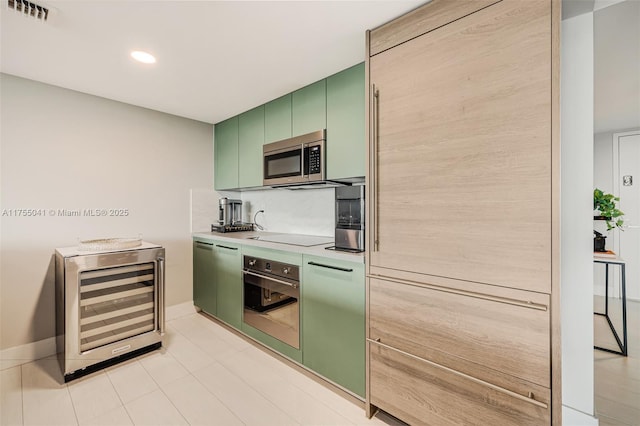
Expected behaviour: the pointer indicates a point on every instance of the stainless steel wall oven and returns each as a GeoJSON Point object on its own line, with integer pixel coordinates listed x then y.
{"type": "Point", "coordinates": [109, 306]}
{"type": "Point", "coordinates": [272, 298]}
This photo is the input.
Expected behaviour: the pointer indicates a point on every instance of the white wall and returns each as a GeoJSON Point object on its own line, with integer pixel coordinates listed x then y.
{"type": "Point", "coordinates": [617, 67]}
{"type": "Point", "coordinates": [62, 149]}
{"type": "Point", "coordinates": [204, 208]}
{"type": "Point", "coordinates": [603, 161]}
{"type": "Point", "coordinates": [577, 219]}
{"type": "Point", "coordinates": [603, 179]}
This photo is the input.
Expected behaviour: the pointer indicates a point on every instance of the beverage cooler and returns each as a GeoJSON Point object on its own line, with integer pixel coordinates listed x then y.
{"type": "Point", "coordinates": [109, 305]}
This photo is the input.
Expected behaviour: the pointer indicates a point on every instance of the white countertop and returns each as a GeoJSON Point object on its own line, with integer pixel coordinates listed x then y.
{"type": "Point", "coordinates": [245, 238]}
{"type": "Point", "coordinates": [75, 251]}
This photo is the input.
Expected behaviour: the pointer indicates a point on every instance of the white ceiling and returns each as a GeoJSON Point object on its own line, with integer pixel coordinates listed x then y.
{"type": "Point", "coordinates": [215, 58]}
{"type": "Point", "coordinates": [219, 58]}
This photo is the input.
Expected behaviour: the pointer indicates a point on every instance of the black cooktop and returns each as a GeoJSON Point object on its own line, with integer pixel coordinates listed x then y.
{"type": "Point", "coordinates": [238, 227]}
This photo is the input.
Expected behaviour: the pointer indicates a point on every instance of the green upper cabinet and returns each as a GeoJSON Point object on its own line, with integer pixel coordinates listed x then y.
{"type": "Point", "coordinates": [277, 119]}
{"type": "Point", "coordinates": [309, 108]}
{"type": "Point", "coordinates": [346, 155]}
{"type": "Point", "coordinates": [250, 141]}
{"type": "Point", "coordinates": [333, 320]}
{"type": "Point", "coordinates": [226, 154]}
{"type": "Point", "coordinates": [335, 104]}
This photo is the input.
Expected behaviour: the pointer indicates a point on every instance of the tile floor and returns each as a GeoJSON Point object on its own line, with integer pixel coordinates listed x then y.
{"type": "Point", "coordinates": [204, 375]}
{"type": "Point", "coordinates": [617, 378]}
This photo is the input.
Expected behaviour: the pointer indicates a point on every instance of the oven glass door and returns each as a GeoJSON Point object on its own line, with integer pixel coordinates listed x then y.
{"type": "Point", "coordinates": [283, 164]}
{"type": "Point", "coordinates": [272, 307]}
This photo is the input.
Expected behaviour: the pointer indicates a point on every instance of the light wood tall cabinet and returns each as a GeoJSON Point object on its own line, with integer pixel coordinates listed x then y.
{"type": "Point", "coordinates": [462, 190]}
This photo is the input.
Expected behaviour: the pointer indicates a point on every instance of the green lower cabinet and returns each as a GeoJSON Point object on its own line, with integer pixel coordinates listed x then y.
{"type": "Point", "coordinates": [332, 306]}
{"type": "Point", "coordinates": [204, 279]}
{"type": "Point", "coordinates": [229, 283]}
{"type": "Point", "coordinates": [217, 280]}
{"type": "Point", "coordinates": [333, 321]}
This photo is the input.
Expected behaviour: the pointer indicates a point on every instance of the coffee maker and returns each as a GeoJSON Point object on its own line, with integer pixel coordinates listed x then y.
{"type": "Point", "coordinates": [349, 235]}
{"type": "Point", "coordinates": [230, 217]}
{"type": "Point", "coordinates": [230, 211]}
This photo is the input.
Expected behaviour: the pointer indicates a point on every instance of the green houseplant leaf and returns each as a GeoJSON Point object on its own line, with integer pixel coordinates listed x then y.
{"type": "Point", "coordinates": [606, 205]}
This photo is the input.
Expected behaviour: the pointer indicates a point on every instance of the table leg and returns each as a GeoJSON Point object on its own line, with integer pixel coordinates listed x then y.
{"type": "Point", "coordinates": [606, 289]}
{"type": "Point", "coordinates": [624, 311]}
{"type": "Point", "coordinates": [622, 344]}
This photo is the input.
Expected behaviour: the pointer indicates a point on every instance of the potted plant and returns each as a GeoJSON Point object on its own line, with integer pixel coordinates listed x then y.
{"type": "Point", "coordinates": [605, 204]}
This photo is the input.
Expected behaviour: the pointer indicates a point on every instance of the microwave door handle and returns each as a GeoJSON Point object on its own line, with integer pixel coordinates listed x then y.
{"type": "Point", "coordinates": [302, 156]}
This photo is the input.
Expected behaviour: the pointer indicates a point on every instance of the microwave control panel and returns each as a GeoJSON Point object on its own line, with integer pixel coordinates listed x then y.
{"type": "Point", "coordinates": [314, 160]}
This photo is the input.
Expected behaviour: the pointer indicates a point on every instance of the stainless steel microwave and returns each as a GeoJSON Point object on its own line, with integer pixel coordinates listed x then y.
{"type": "Point", "coordinates": [298, 160]}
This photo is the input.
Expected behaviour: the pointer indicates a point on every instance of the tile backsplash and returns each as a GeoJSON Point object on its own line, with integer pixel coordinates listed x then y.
{"type": "Point", "coordinates": [309, 211]}
{"type": "Point", "coordinates": [204, 209]}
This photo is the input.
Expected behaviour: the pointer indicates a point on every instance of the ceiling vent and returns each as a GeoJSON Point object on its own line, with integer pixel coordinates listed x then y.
{"type": "Point", "coordinates": [29, 9]}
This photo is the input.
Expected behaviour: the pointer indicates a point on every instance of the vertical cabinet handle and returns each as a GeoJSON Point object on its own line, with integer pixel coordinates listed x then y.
{"type": "Point", "coordinates": [160, 292]}
{"type": "Point", "coordinates": [374, 165]}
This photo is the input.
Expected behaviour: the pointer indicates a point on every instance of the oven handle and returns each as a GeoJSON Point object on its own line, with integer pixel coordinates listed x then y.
{"type": "Point", "coordinates": [270, 278]}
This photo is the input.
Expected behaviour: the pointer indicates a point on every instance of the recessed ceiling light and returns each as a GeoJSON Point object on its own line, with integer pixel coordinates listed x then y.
{"type": "Point", "coordinates": [144, 57]}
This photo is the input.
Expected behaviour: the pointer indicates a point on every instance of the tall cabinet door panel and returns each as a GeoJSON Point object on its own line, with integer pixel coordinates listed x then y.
{"type": "Point", "coordinates": [345, 123]}
{"type": "Point", "coordinates": [462, 170]}
{"type": "Point", "coordinates": [309, 108]}
{"type": "Point", "coordinates": [250, 141]}
{"type": "Point", "coordinates": [226, 154]}
{"type": "Point", "coordinates": [277, 119]}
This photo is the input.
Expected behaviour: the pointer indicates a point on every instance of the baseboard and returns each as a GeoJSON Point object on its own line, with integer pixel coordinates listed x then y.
{"type": "Point", "coordinates": [29, 352]}
{"type": "Point", "coordinates": [571, 417]}
{"type": "Point", "coordinates": [22, 354]}
{"type": "Point", "coordinates": [180, 310]}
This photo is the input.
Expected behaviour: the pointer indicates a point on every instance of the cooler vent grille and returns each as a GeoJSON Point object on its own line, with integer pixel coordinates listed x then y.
{"type": "Point", "coordinates": [29, 9]}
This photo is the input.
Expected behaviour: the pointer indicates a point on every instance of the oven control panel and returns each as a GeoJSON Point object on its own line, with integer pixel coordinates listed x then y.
{"type": "Point", "coordinates": [272, 267]}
